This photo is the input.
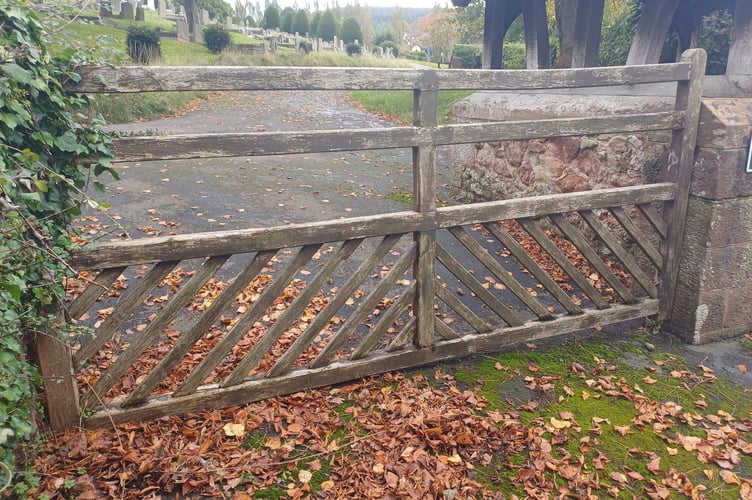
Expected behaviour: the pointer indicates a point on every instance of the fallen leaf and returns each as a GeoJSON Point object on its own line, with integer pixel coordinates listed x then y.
{"type": "Point", "coordinates": [234, 430]}
{"type": "Point", "coordinates": [729, 477]}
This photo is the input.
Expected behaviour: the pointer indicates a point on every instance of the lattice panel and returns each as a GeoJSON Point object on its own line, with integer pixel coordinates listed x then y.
{"type": "Point", "coordinates": [510, 273]}
{"type": "Point", "coordinates": [175, 327]}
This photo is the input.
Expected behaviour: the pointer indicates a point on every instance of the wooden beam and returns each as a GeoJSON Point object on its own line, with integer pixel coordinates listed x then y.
{"type": "Point", "coordinates": [587, 33]}
{"type": "Point", "coordinates": [60, 389]}
{"type": "Point", "coordinates": [739, 59]}
{"type": "Point", "coordinates": [537, 48]}
{"type": "Point", "coordinates": [652, 29]}
{"type": "Point", "coordinates": [493, 34]}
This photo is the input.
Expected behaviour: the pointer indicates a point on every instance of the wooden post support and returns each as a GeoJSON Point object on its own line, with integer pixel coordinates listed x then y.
{"type": "Point", "coordinates": [425, 114]}
{"type": "Point", "coordinates": [60, 389]}
{"type": "Point", "coordinates": [678, 170]}
{"type": "Point", "coordinates": [587, 33]}
{"type": "Point", "coordinates": [739, 61]}
{"type": "Point", "coordinates": [537, 48]}
{"type": "Point", "coordinates": [655, 22]}
{"type": "Point", "coordinates": [493, 34]}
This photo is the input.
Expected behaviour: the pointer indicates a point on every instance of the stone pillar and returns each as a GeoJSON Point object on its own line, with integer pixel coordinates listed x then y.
{"type": "Point", "coordinates": [713, 295]}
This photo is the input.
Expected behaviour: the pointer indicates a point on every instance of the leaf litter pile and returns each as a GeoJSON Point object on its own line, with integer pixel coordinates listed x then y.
{"type": "Point", "coordinates": [537, 423]}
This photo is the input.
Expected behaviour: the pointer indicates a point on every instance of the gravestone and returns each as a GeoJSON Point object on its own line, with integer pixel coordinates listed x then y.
{"type": "Point", "coordinates": [162, 7]}
{"type": "Point", "coordinates": [228, 21]}
{"type": "Point", "coordinates": [126, 10]}
{"type": "Point", "coordinates": [115, 8]}
{"type": "Point", "coordinates": [139, 12]}
{"type": "Point", "coordinates": [204, 17]}
{"type": "Point", "coordinates": [182, 29]}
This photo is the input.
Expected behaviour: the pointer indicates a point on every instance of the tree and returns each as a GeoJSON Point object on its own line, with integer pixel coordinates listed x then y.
{"type": "Point", "coordinates": [328, 26]}
{"type": "Point", "coordinates": [286, 24]}
{"type": "Point", "coordinates": [217, 9]}
{"type": "Point", "coordinates": [351, 31]}
{"type": "Point", "coordinates": [271, 18]}
{"type": "Point", "coordinates": [440, 31]}
{"type": "Point", "coordinates": [470, 20]}
{"type": "Point", "coordinates": [300, 22]}
{"type": "Point", "coordinates": [315, 24]}
{"type": "Point", "coordinates": [399, 25]}
{"type": "Point", "coordinates": [383, 34]}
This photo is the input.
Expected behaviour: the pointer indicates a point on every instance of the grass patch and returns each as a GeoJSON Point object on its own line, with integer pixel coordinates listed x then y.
{"type": "Point", "coordinates": [397, 105]}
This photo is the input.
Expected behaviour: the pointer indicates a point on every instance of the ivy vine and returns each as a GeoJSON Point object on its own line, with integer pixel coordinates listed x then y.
{"type": "Point", "coordinates": [45, 140]}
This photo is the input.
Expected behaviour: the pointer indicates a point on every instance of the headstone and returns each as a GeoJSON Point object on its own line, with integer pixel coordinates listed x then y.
{"type": "Point", "coordinates": [115, 8]}
{"type": "Point", "coordinates": [273, 44]}
{"type": "Point", "coordinates": [126, 10]}
{"type": "Point", "coordinates": [105, 10]}
{"type": "Point", "coordinates": [198, 33]}
{"type": "Point", "coordinates": [455, 63]}
{"type": "Point", "coordinates": [380, 51]}
{"type": "Point", "coordinates": [228, 21]}
{"type": "Point", "coordinates": [341, 45]}
{"type": "Point", "coordinates": [336, 44]}
{"type": "Point", "coordinates": [149, 5]}
{"type": "Point", "coordinates": [162, 7]}
{"type": "Point", "coordinates": [139, 12]}
{"type": "Point", "coordinates": [204, 17]}
{"type": "Point", "coordinates": [182, 29]}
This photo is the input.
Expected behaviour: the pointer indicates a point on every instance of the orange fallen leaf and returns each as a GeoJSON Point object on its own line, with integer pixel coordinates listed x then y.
{"type": "Point", "coordinates": [729, 477]}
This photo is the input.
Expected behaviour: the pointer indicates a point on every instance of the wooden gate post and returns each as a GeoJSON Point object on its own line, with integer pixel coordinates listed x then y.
{"type": "Point", "coordinates": [425, 114]}
{"type": "Point", "coordinates": [60, 389]}
{"type": "Point", "coordinates": [678, 170]}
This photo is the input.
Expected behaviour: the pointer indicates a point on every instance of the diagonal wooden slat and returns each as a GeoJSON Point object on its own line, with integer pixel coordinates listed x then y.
{"type": "Point", "coordinates": [537, 271]}
{"type": "Point", "coordinates": [386, 320]}
{"type": "Point", "coordinates": [258, 351]}
{"type": "Point", "coordinates": [145, 338]}
{"type": "Point", "coordinates": [96, 288]}
{"type": "Point", "coordinates": [239, 329]}
{"type": "Point", "coordinates": [444, 330]}
{"type": "Point", "coordinates": [335, 303]}
{"type": "Point", "coordinates": [534, 230]}
{"type": "Point", "coordinates": [626, 258]}
{"type": "Point", "coordinates": [482, 255]}
{"type": "Point", "coordinates": [366, 307]}
{"type": "Point", "coordinates": [476, 287]}
{"type": "Point", "coordinates": [403, 337]}
{"type": "Point", "coordinates": [188, 339]}
{"type": "Point", "coordinates": [638, 236]}
{"type": "Point", "coordinates": [460, 308]}
{"type": "Point", "coordinates": [123, 311]}
{"type": "Point", "coordinates": [587, 251]}
{"type": "Point", "coordinates": [654, 218]}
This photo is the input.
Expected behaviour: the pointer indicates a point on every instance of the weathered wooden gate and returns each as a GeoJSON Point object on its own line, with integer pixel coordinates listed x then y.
{"type": "Point", "coordinates": [353, 297]}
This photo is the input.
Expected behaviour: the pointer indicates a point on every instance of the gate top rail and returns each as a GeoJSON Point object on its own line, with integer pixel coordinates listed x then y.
{"type": "Point", "coordinates": [130, 79]}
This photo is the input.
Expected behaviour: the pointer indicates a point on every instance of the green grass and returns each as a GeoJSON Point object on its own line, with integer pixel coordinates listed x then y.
{"type": "Point", "coordinates": [397, 105]}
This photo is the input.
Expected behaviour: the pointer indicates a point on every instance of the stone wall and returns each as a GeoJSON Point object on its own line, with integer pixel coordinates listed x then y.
{"type": "Point", "coordinates": [714, 293]}
{"type": "Point", "coordinates": [511, 169]}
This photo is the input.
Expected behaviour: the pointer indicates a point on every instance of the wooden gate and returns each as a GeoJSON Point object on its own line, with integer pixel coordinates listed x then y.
{"type": "Point", "coordinates": [321, 303]}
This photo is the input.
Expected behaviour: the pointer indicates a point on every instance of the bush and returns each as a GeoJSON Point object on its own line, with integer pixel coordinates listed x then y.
{"type": "Point", "coordinates": [216, 38]}
{"type": "Point", "coordinates": [472, 55]}
{"type": "Point", "coordinates": [514, 56]}
{"type": "Point", "coordinates": [41, 185]}
{"type": "Point", "coordinates": [353, 49]}
{"type": "Point", "coordinates": [391, 45]}
{"type": "Point", "coordinates": [350, 31]}
{"type": "Point", "coordinates": [143, 44]}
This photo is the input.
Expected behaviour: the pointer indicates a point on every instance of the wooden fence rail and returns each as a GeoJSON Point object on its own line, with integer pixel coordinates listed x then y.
{"type": "Point", "coordinates": [313, 304]}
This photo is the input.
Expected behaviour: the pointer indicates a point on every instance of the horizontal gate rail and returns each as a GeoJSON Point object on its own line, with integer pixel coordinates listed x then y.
{"type": "Point", "coordinates": [188, 322]}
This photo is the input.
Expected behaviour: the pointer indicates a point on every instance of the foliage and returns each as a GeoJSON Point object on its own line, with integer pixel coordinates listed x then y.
{"type": "Point", "coordinates": [41, 186]}
{"type": "Point", "coordinates": [397, 105]}
{"type": "Point", "coordinates": [300, 23]}
{"type": "Point", "coordinates": [383, 34]}
{"type": "Point", "coordinates": [286, 24]}
{"type": "Point", "coordinates": [216, 38]}
{"type": "Point", "coordinates": [143, 44]}
{"type": "Point", "coordinates": [470, 20]}
{"type": "Point", "coordinates": [391, 45]}
{"type": "Point", "coordinates": [617, 36]}
{"type": "Point", "coordinates": [315, 20]}
{"type": "Point", "coordinates": [328, 27]}
{"type": "Point", "coordinates": [715, 38]}
{"type": "Point", "coordinates": [472, 55]}
{"type": "Point", "coordinates": [351, 31]}
{"type": "Point", "coordinates": [217, 9]}
{"type": "Point", "coordinates": [272, 18]}
{"type": "Point", "coordinates": [514, 56]}
{"type": "Point", "coordinates": [353, 49]}
{"type": "Point", "coordinates": [439, 31]}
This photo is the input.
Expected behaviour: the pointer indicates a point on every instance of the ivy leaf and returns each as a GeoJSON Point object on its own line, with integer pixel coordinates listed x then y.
{"type": "Point", "coordinates": [14, 285]}
{"type": "Point", "coordinates": [16, 72]}
{"type": "Point", "coordinates": [67, 142]}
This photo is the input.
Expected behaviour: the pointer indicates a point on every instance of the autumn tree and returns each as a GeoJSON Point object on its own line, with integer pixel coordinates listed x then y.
{"type": "Point", "coordinates": [440, 31]}
{"type": "Point", "coordinates": [399, 25]}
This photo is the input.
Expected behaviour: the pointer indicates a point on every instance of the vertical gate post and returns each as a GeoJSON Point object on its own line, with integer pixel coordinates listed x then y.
{"type": "Point", "coordinates": [60, 389]}
{"type": "Point", "coordinates": [425, 114]}
{"type": "Point", "coordinates": [679, 171]}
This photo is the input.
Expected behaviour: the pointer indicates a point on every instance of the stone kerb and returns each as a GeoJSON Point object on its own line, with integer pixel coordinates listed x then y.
{"type": "Point", "coordinates": [715, 280]}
